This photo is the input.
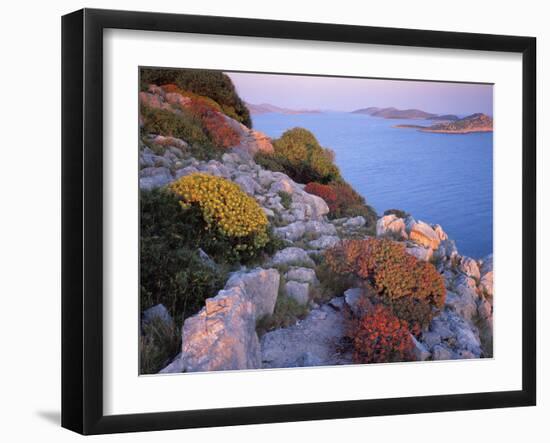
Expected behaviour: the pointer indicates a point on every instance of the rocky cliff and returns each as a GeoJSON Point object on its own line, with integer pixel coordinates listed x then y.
{"type": "Point", "coordinates": [224, 334]}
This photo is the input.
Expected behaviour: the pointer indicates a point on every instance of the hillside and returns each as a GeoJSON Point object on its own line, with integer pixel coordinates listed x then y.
{"type": "Point", "coordinates": [266, 108]}
{"type": "Point", "coordinates": [394, 113]}
{"type": "Point", "coordinates": [256, 253]}
{"type": "Point", "coordinates": [473, 123]}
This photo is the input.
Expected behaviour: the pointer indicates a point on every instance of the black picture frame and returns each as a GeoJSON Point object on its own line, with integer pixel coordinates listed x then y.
{"type": "Point", "coordinates": [82, 219]}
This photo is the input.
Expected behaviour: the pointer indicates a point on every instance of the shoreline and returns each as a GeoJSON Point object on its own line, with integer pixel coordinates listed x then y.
{"type": "Point", "coordinates": [443, 131]}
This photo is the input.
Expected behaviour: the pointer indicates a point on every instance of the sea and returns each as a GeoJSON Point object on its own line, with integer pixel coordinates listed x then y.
{"type": "Point", "coordinates": [437, 178]}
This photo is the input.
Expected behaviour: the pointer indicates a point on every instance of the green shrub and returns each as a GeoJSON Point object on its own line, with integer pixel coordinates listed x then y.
{"type": "Point", "coordinates": [158, 344]}
{"type": "Point", "coordinates": [286, 199]}
{"type": "Point", "coordinates": [286, 313]}
{"type": "Point", "coordinates": [301, 157]}
{"type": "Point", "coordinates": [269, 161]}
{"type": "Point", "coordinates": [171, 270]}
{"type": "Point", "coordinates": [213, 84]}
{"type": "Point", "coordinates": [399, 213]}
{"type": "Point", "coordinates": [184, 125]}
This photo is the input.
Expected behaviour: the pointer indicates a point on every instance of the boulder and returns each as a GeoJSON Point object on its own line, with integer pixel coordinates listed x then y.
{"type": "Point", "coordinates": [292, 256]}
{"type": "Point", "coordinates": [355, 222]}
{"type": "Point", "coordinates": [486, 272]}
{"type": "Point", "coordinates": [324, 242]}
{"type": "Point", "coordinates": [282, 185]}
{"type": "Point", "coordinates": [440, 232]}
{"type": "Point", "coordinates": [261, 286]}
{"type": "Point", "coordinates": [293, 231]}
{"type": "Point", "coordinates": [446, 250]}
{"type": "Point", "coordinates": [391, 225]}
{"type": "Point", "coordinates": [464, 304]}
{"type": "Point", "coordinates": [304, 275]}
{"type": "Point", "coordinates": [353, 298]}
{"type": "Point", "coordinates": [188, 170]}
{"type": "Point", "coordinates": [420, 252]}
{"type": "Point", "coordinates": [469, 267]}
{"type": "Point", "coordinates": [248, 184]}
{"type": "Point", "coordinates": [159, 313]}
{"type": "Point", "coordinates": [250, 141]}
{"type": "Point", "coordinates": [298, 291]}
{"type": "Point", "coordinates": [222, 336]}
{"type": "Point", "coordinates": [337, 303]}
{"type": "Point", "coordinates": [424, 235]}
{"type": "Point", "coordinates": [420, 351]}
{"type": "Point", "coordinates": [265, 178]}
{"type": "Point", "coordinates": [174, 367]}
{"type": "Point", "coordinates": [441, 353]}
{"type": "Point", "coordinates": [314, 207]}
{"type": "Point", "coordinates": [150, 178]}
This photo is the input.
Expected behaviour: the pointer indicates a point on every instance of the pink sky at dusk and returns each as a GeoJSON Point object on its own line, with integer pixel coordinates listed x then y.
{"type": "Point", "coordinates": [348, 94]}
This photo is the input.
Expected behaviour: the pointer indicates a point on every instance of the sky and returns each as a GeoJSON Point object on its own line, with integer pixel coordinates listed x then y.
{"type": "Point", "coordinates": [349, 94]}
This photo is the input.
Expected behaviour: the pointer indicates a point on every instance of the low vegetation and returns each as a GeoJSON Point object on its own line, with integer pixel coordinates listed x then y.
{"type": "Point", "coordinates": [158, 343]}
{"type": "Point", "coordinates": [234, 225]}
{"type": "Point", "coordinates": [381, 337]}
{"type": "Point", "coordinates": [213, 84]}
{"type": "Point", "coordinates": [299, 155]}
{"type": "Point", "coordinates": [172, 271]}
{"type": "Point", "coordinates": [287, 312]}
{"type": "Point", "coordinates": [412, 288]}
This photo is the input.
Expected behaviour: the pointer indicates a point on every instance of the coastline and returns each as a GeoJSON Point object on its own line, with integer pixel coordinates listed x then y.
{"type": "Point", "coordinates": [443, 131]}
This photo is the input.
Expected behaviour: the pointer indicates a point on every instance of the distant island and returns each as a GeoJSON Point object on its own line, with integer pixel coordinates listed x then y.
{"type": "Point", "coordinates": [266, 108]}
{"type": "Point", "coordinates": [395, 113]}
{"type": "Point", "coordinates": [405, 114]}
{"type": "Point", "coordinates": [473, 123]}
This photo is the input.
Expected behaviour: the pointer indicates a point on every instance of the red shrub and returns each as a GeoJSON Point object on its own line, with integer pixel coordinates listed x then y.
{"type": "Point", "coordinates": [218, 128]}
{"type": "Point", "coordinates": [342, 200]}
{"type": "Point", "coordinates": [381, 337]}
{"type": "Point", "coordinates": [326, 193]}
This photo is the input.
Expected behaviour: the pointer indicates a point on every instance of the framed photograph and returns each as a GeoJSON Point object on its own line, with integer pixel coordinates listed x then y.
{"type": "Point", "coordinates": [269, 221]}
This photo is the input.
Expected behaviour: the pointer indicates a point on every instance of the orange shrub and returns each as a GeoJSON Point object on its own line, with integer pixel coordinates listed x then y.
{"type": "Point", "coordinates": [381, 337]}
{"type": "Point", "coordinates": [411, 287]}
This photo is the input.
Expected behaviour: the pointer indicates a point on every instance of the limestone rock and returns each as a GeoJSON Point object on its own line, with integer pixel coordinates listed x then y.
{"type": "Point", "coordinates": [261, 286]}
{"type": "Point", "coordinates": [247, 184]}
{"type": "Point", "coordinates": [420, 252]}
{"type": "Point", "coordinates": [353, 298]}
{"type": "Point", "coordinates": [355, 222]}
{"type": "Point", "coordinates": [391, 225]}
{"type": "Point", "coordinates": [440, 232]}
{"type": "Point", "coordinates": [469, 267]}
{"type": "Point", "coordinates": [157, 312]}
{"type": "Point", "coordinates": [292, 256]}
{"type": "Point", "coordinates": [420, 351]}
{"type": "Point", "coordinates": [424, 235]}
{"type": "Point", "coordinates": [446, 250]}
{"type": "Point", "coordinates": [486, 272]}
{"type": "Point", "coordinates": [150, 178]}
{"type": "Point", "coordinates": [314, 341]}
{"type": "Point", "coordinates": [441, 353]}
{"type": "Point", "coordinates": [298, 291]}
{"type": "Point", "coordinates": [304, 275]}
{"type": "Point", "coordinates": [222, 336]}
{"type": "Point", "coordinates": [324, 242]}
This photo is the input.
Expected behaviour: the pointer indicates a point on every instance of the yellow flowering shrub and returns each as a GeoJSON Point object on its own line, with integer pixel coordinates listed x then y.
{"type": "Point", "coordinates": [227, 210]}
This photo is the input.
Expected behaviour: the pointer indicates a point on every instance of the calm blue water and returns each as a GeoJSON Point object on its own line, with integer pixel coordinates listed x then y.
{"type": "Point", "coordinates": [438, 178]}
